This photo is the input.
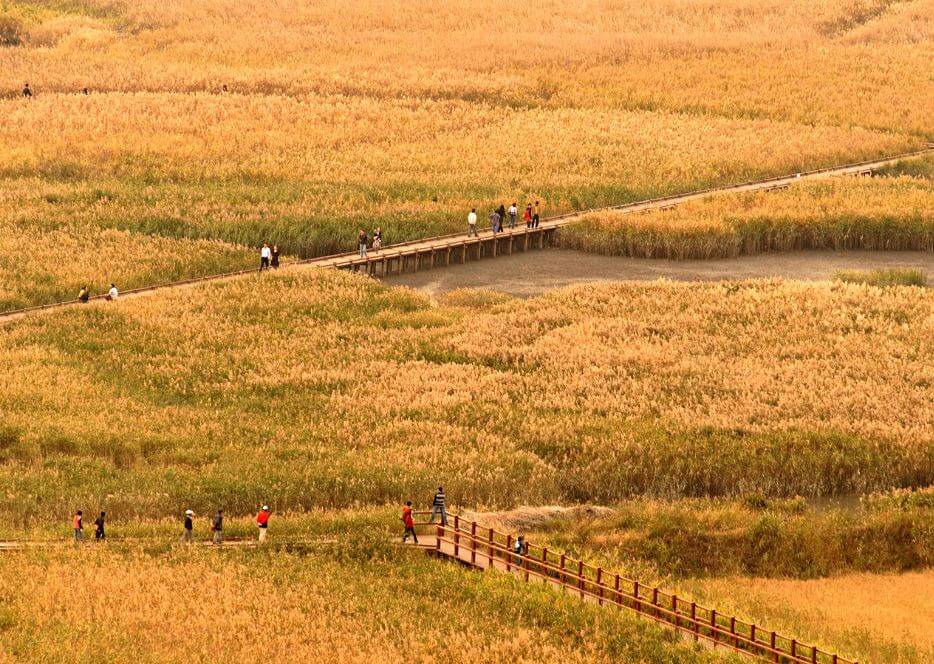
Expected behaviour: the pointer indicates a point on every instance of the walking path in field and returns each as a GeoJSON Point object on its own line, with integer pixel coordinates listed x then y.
{"type": "Point", "coordinates": [351, 258]}
{"type": "Point", "coordinates": [527, 275]}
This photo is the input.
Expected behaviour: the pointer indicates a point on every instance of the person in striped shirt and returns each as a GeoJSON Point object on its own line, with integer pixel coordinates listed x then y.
{"type": "Point", "coordinates": [438, 507]}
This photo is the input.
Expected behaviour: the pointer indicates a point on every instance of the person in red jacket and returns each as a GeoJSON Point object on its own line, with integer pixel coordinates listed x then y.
{"type": "Point", "coordinates": [409, 523]}
{"type": "Point", "coordinates": [262, 522]}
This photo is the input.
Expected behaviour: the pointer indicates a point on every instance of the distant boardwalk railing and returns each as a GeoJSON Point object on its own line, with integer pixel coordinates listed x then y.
{"type": "Point", "coordinates": [457, 247]}
{"type": "Point", "coordinates": [486, 548]}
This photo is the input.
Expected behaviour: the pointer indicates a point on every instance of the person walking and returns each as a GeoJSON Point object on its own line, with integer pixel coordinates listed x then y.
{"type": "Point", "coordinates": [188, 535]}
{"type": "Point", "coordinates": [521, 548]}
{"type": "Point", "coordinates": [217, 525]}
{"type": "Point", "coordinates": [113, 293]}
{"type": "Point", "coordinates": [377, 238]}
{"type": "Point", "coordinates": [84, 294]}
{"type": "Point", "coordinates": [409, 523]}
{"type": "Point", "coordinates": [99, 526]}
{"type": "Point", "coordinates": [275, 256]}
{"type": "Point", "coordinates": [362, 241]}
{"type": "Point", "coordinates": [27, 92]}
{"type": "Point", "coordinates": [472, 223]}
{"type": "Point", "coordinates": [513, 211]}
{"type": "Point", "coordinates": [264, 255]}
{"type": "Point", "coordinates": [438, 506]}
{"type": "Point", "coordinates": [527, 215]}
{"type": "Point", "coordinates": [536, 215]}
{"type": "Point", "coordinates": [262, 522]}
{"type": "Point", "coordinates": [77, 524]}
{"type": "Point", "coordinates": [495, 221]}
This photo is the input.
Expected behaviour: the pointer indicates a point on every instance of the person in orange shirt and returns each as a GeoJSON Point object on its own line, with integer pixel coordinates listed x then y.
{"type": "Point", "coordinates": [78, 525]}
{"type": "Point", "coordinates": [409, 523]}
{"type": "Point", "coordinates": [262, 522]}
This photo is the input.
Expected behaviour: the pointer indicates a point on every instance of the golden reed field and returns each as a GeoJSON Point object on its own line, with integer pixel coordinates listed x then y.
{"type": "Point", "coordinates": [763, 446]}
{"type": "Point", "coordinates": [406, 114]}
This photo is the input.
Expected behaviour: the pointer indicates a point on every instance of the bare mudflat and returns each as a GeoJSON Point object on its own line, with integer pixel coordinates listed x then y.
{"type": "Point", "coordinates": [525, 275]}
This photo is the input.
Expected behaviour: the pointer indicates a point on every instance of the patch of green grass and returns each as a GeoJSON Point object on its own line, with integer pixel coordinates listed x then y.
{"type": "Point", "coordinates": [883, 277]}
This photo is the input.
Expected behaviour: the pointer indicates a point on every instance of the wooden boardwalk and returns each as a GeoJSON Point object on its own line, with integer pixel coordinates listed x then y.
{"type": "Point", "coordinates": [458, 248]}
{"type": "Point", "coordinates": [473, 545]}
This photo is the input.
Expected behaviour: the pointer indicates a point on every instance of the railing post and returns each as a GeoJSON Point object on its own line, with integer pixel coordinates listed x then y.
{"type": "Point", "coordinates": [813, 654]}
{"type": "Point", "coordinates": [457, 537]}
{"type": "Point", "coordinates": [619, 597]}
{"type": "Point", "coordinates": [491, 547]}
{"type": "Point", "coordinates": [772, 646]}
{"type": "Point", "coordinates": [635, 594]}
{"type": "Point", "coordinates": [508, 551]}
{"type": "Point", "coordinates": [655, 601]}
{"type": "Point", "coordinates": [674, 609]}
{"type": "Point", "coordinates": [794, 647]}
{"type": "Point", "coordinates": [600, 584]}
{"type": "Point", "coordinates": [473, 542]}
{"type": "Point", "coordinates": [525, 563]}
{"type": "Point", "coordinates": [545, 571]}
{"type": "Point", "coordinates": [562, 570]}
{"type": "Point", "coordinates": [694, 620]}
{"type": "Point", "coordinates": [733, 631]}
{"type": "Point", "coordinates": [713, 625]}
{"type": "Point", "coordinates": [580, 575]}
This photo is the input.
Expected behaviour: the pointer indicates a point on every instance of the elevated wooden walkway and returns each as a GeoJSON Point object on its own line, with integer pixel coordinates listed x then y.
{"type": "Point", "coordinates": [459, 248]}
{"type": "Point", "coordinates": [484, 548]}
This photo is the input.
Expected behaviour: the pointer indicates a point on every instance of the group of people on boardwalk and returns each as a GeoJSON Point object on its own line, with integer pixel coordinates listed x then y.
{"type": "Point", "coordinates": [268, 256]}
{"type": "Point", "coordinates": [438, 508]}
{"type": "Point", "coordinates": [188, 526]}
{"type": "Point", "coordinates": [85, 294]}
{"type": "Point", "coordinates": [498, 218]}
{"type": "Point", "coordinates": [364, 240]}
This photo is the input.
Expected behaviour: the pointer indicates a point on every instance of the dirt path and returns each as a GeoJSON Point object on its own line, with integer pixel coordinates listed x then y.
{"type": "Point", "coordinates": [528, 274]}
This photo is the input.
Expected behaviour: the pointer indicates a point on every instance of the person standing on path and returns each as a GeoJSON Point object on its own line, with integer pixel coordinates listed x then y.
{"type": "Point", "coordinates": [217, 525]}
{"type": "Point", "coordinates": [537, 215]}
{"type": "Point", "coordinates": [472, 223]}
{"type": "Point", "coordinates": [527, 216]}
{"type": "Point", "coordinates": [495, 221]}
{"type": "Point", "coordinates": [275, 256]}
{"type": "Point", "coordinates": [409, 523]}
{"type": "Point", "coordinates": [264, 255]}
{"type": "Point", "coordinates": [26, 91]}
{"type": "Point", "coordinates": [513, 211]}
{"type": "Point", "coordinates": [501, 211]}
{"type": "Point", "coordinates": [362, 241]}
{"type": "Point", "coordinates": [113, 293]}
{"type": "Point", "coordinates": [438, 506]}
{"type": "Point", "coordinates": [188, 535]}
{"type": "Point", "coordinates": [262, 522]}
{"type": "Point", "coordinates": [377, 238]}
{"type": "Point", "coordinates": [77, 524]}
{"type": "Point", "coordinates": [99, 526]}
{"type": "Point", "coordinates": [84, 294]}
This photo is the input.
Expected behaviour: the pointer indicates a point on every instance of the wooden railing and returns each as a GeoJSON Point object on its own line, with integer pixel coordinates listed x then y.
{"type": "Point", "coordinates": [486, 547]}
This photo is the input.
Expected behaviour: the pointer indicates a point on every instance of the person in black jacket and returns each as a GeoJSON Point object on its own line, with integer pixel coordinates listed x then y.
{"type": "Point", "coordinates": [275, 255]}
{"type": "Point", "coordinates": [26, 91]}
{"type": "Point", "coordinates": [188, 533]}
{"type": "Point", "coordinates": [99, 527]}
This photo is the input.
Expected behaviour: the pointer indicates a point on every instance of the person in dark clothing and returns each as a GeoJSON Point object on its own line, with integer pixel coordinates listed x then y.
{"type": "Point", "coordinates": [362, 241]}
{"type": "Point", "coordinates": [501, 211]}
{"type": "Point", "coordinates": [275, 255]}
{"type": "Point", "coordinates": [26, 91]}
{"type": "Point", "coordinates": [99, 526]}
{"type": "Point", "coordinates": [188, 534]}
{"type": "Point", "coordinates": [84, 294]}
{"type": "Point", "coordinates": [438, 506]}
{"type": "Point", "coordinates": [85, 92]}
{"type": "Point", "coordinates": [217, 525]}
{"type": "Point", "coordinates": [536, 215]}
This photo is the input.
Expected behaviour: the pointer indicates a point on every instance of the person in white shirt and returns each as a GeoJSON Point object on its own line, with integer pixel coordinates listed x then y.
{"type": "Point", "coordinates": [472, 222]}
{"type": "Point", "coordinates": [112, 294]}
{"type": "Point", "coordinates": [264, 255]}
{"type": "Point", "coordinates": [513, 211]}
